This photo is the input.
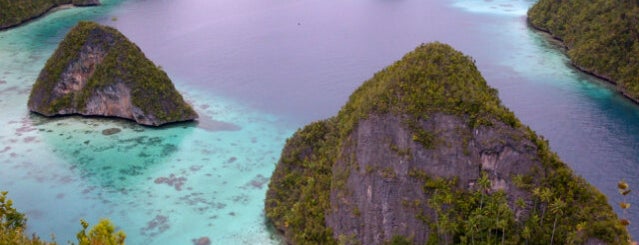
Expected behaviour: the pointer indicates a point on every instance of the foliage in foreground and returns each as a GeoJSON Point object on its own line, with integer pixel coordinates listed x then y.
{"type": "Point", "coordinates": [602, 36]}
{"type": "Point", "coordinates": [13, 225]}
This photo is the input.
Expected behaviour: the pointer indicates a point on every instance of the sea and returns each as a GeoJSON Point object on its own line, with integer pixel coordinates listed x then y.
{"type": "Point", "coordinates": [256, 71]}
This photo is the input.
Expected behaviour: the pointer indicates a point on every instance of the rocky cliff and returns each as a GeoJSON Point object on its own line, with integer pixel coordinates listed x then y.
{"type": "Point", "coordinates": [424, 152]}
{"type": "Point", "coordinates": [97, 71]}
{"type": "Point", "coordinates": [601, 37]}
{"type": "Point", "coordinates": [14, 13]}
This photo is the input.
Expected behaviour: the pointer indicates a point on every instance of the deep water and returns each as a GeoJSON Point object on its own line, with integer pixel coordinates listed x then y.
{"type": "Point", "coordinates": [256, 71]}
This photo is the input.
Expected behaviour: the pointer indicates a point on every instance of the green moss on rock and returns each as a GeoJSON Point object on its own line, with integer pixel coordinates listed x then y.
{"type": "Point", "coordinates": [321, 167]}
{"type": "Point", "coordinates": [97, 71]}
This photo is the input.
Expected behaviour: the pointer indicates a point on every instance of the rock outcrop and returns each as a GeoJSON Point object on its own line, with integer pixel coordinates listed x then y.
{"type": "Point", "coordinates": [424, 152]}
{"type": "Point", "coordinates": [14, 13]}
{"type": "Point", "coordinates": [97, 71]}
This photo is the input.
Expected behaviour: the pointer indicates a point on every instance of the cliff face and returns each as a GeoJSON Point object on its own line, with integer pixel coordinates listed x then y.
{"type": "Point", "coordinates": [602, 37]}
{"type": "Point", "coordinates": [96, 71]}
{"type": "Point", "coordinates": [378, 200]}
{"type": "Point", "coordinates": [425, 153]}
{"type": "Point", "coordinates": [14, 13]}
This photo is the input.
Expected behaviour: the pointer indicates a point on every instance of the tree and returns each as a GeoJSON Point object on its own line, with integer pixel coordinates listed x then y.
{"type": "Point", "coordinates": [624, 190]}
{"type": "Point", "coordinates": [13, 224]}
{"type": "Point", "coordinates": [557, 208]}
{"type": "Point", "coordinates": [544, 194]}
{"type": "Point", "coordinates": [10, 218]}
{"type": "Point", "coordinates": [102, 233]}
{"type": "Point", "coordinates": [484, 186]}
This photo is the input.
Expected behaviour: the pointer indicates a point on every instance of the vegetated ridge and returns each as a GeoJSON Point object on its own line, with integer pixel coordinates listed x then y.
{"type": "Point", "coordinates": [97, 71]}
{"type": "Point", "coordinates": [424, 152]}
{"type": "Point", "coordinates": [601, 37]}
{"type": "Point", "coordinates": [17, 12]}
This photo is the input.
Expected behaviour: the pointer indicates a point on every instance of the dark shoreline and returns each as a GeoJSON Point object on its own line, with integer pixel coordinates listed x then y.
{"type": "Point", "coordinates": [580, 68]}
{"type": "Point", "coordinates": [48, 11]}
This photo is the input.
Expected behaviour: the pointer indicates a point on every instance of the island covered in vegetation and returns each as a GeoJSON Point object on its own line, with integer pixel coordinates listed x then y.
{"type": "Point", "coordinates": [14, 13]}
{"type": "Point", "coordinates": [425, 153]}
{"type": "Point", "coordinates": [601, 37]}
{"type": "Point", "coordinates": [97, 71]}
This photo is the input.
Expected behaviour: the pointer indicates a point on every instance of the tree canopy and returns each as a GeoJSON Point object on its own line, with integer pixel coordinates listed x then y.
{"type": "Point", "coordinates": [13, 225]}
{"type": "Point", "coordinates": [602, 37]}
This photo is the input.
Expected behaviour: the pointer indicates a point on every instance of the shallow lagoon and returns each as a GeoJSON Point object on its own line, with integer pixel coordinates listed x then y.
{"type": "Point", "coordinates": [256, 71]}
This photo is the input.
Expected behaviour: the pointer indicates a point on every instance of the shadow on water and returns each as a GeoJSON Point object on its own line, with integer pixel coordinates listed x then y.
{"type": "Point", "coordinates": [111, 153]}
{"type": "Point", "coordinates": [209, 124]}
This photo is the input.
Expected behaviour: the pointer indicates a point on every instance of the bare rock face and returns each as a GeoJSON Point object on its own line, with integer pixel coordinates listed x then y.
{"type": "Point", "coordinates": [382, 190]}
{"type": "Point", "coordinates": [96, 71]}
{"type": "Point", "coordinates": [424, 153]}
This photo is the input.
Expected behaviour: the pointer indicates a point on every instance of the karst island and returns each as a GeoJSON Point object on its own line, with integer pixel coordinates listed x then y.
{"type": "Point", "coordinates": [97, 71]}
{"type": "Point", "coordinates": [425, 153]}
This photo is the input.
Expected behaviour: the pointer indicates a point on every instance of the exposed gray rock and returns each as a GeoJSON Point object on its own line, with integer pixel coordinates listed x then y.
{"type": "Point", "coordinates": [384, 152]}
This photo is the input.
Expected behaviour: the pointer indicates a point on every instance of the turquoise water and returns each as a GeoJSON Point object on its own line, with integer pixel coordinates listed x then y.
{"type": "Point", "coordinates": [256, 71]}
{"type": "Point", "coordinates": [162, 186]}
{"type": "Point", "coordinates": [590, 126]}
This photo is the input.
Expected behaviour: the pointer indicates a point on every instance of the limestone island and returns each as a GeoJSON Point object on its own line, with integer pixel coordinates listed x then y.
{"type": "Point", "coordinates": [14, 13]}
{"type": "Point", "coordinates": [601, 37]}
{"type": "Point", "coordinates": [425, 153]}
{"type": "Point", "coordinates": [97, 71]}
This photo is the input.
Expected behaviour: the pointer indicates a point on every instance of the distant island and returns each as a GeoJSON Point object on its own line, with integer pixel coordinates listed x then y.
{"type": "Point", "coordinates": [97, 71]}
{"type": "Point", "coordinates": [14, 12]}
{"type": "Point", "coordinates": [601, 37]}
{"type": "Point", "coordinates": [425, 153]}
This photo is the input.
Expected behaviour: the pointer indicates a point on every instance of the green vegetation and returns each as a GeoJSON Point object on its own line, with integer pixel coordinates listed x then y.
{"type": "Point", "coordinates": [101, 234]}
{"type": "Point", "coordinates": [431, 79]}
{"type": "Point", "coordinates": [434, 78]}
{"type": "Point", "coordinates": [463, 217]}
{"type": "Point", "coordinates": [399, 240]}
{"type": "Point", "coordinates": [624, 190]}
{"type": "Point", "coordinates": [482, 217]}
{"type": "Point", "coordinates": [298, 195]}
{"type": "Point", "coordinates": [13, 13]}
{"type": "Point", "coordinates": [602, 36]}
{"type": "Point", "coordinates": [13, 225]}
{"type": "Point", "coordinates": [151, 89]}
